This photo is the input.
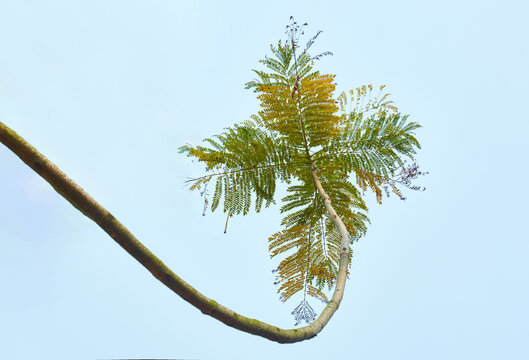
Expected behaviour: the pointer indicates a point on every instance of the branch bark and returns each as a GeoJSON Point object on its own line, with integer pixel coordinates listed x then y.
{"type": "Point", "coordinates": [73, 193]}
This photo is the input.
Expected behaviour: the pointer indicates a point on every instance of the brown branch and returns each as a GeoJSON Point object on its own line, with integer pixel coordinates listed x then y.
{"type": "Point", "coordinates": [72, 192]}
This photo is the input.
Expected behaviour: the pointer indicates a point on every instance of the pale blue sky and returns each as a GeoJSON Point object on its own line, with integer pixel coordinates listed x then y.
{"type": "Point", "coordinates": [108, 90]}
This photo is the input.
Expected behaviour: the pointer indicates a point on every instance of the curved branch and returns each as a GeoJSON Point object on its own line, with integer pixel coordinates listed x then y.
{"type": "Point", "coordinates": [72, 192]}
{"type": "Point", "coordinates": [344, 245]}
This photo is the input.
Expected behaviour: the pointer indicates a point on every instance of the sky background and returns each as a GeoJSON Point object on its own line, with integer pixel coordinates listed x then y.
{"type": "Point", "coordinates": [108, 90]}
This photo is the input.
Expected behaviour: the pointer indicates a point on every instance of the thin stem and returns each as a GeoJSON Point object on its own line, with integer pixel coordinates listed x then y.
{"type": "Point", "coordinates": [244, 169]}
{"type": "Point", "coordinates": [229, 211]}
{"type": "Point", "coordinates": [308, 250]}
{"type": "Point", "coordinates": [298, 104]}
{"type": "Point", "coordinates": [352, 152]}
{"type": "Point", "coordinates": [381, 177]}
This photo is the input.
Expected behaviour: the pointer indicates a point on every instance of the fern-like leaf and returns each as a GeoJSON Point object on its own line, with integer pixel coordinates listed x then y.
{"type": "Point", "coordinates": [355, 142]}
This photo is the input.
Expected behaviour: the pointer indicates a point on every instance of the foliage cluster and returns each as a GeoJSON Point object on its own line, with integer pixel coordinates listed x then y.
{"type": "Point", "coordinates": [356, 141]}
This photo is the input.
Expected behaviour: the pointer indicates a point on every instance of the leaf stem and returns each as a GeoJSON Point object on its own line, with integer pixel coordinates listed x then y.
{"type": "Point", "coordinates": [229, 210]}
{"type": "Point", "coordinates": [244, 169]}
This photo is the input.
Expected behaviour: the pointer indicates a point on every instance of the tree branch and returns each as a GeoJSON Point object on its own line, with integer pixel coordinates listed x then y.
{"type": "Point", "coordinates": [72, 192]}
{"type": "Point", "coordinates": [344, 247]}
